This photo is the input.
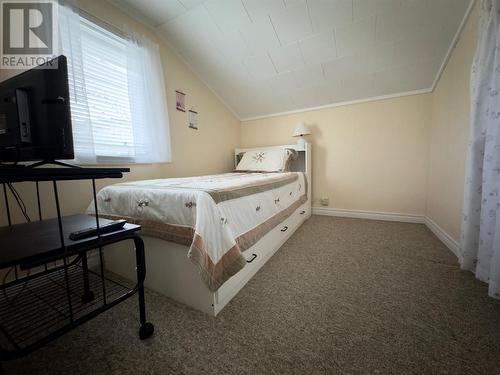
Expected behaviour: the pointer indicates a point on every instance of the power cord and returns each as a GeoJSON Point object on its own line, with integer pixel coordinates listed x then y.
{"type": "Point", "coordinates": [19, 201]}
{"type": "Point", "coordinates": [24, 211]}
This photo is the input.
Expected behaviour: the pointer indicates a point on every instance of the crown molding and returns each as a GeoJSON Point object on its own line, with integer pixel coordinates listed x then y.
{"type": "Point", "coordinates": [453, 44]}
{"type": "Point", "coordinates": [341, 104]}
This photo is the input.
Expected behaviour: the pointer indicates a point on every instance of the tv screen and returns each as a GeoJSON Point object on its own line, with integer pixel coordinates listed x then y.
{"type": "Point", "coordinates": [35, 116]}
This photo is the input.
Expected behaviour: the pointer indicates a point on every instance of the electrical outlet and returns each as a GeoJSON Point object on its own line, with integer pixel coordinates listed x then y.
{"type": "Point", "coordinates": [325, 201]}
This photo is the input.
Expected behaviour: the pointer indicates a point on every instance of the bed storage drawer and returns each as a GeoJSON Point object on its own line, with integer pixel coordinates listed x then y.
{"type": "Point", "coordinates": [304, 211]}
{"type": "Point", "coordinates": [288, 226]}
{"type": "Point", "coordinates": [258, 255]}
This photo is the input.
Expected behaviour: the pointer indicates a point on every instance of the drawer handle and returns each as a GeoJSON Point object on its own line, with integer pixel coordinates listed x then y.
{"type": "Point", "coordinates": [302, 212]}
{"type": "Point", "coordinates": [254, 256]}
{"type": "Point", "coordinates": [285, 228]}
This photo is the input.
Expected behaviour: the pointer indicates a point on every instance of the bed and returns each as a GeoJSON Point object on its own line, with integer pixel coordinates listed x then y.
{"type": "Point", "coordinates": [206, 237]}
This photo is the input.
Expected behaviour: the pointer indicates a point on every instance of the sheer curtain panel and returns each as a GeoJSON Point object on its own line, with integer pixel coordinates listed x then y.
{"type": "Point", "coordinates": [117, 93]}
{"type": "Point", "coordinates": [480, 243]}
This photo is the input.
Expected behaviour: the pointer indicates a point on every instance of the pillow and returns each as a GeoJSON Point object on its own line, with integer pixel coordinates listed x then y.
{"type": "Point", "coordinates": [266, 160]}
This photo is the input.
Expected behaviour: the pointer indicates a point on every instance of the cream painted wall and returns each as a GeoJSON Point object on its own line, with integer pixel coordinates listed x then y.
{"type": "Point", "coordinates": [370, 156]}
{"type": "Point", "coordinates": [404, 155]}
{"type": "Point", "coordinates": [207, 150]}
{"type": "Point", "coordinates": [449, 134]}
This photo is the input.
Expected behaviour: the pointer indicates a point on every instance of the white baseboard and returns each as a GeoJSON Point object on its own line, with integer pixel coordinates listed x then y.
{"type": "Point", "coordinates": [442, 235]}
{"type": "Point", "coordinates": [371, 215]}
{"type": "Point", "coordinates": [390, 216]}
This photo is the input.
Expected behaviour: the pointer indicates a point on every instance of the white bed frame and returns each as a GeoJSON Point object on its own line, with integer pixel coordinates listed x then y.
{"type": "Point", "coordinates": [171, 273]}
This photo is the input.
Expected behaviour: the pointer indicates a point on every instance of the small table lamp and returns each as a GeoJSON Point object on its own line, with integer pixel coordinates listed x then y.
{"type": "Point", "coordinates": [300, 130]}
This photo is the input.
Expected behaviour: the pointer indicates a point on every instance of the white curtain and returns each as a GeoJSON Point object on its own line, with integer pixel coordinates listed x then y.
{"type": "Point", "coordinates": [117, 93]}
{"type": "Point", "coordinates": [480, 243]}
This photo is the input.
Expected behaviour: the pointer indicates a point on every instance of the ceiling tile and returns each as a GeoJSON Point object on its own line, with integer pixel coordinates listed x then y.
{"type": "Point", "coordinates": [446, 15]}
{"type": "Point", "coordinates": [260, 66]}
{"type": "Point", "coordinates": [231, 44]}
{"type": "Point", "coordinates": [292, 23]}
{"type": "Point", "coordinates": [363, 8]}
{"type": "Point", "coordinates": [304, 98]}
{"type": "Point", "coordinates": [356, 36]}
{"type": "Point", "coordinates": [309, 76]}
{"type": "Point", "coordinates": [260, 36]}
{"type": "Point", "coordinates": [258, 9]}
{"type": "Point", "coordinates": [287, 58]}
{"type": "Point", "coordinates": [312, 96]}
{"type": "Point", "coordinates": [318, 48]}
{"type": "Point", "coordinates": [421, 46]}
{"type": "Point", "coordinates": [282, 83]}
{"type": "Point", "coordinates": [179, 31]}
{"type": "Point", "coordinates": [158, 11]}
{"type": "Point", "coordinates": [327, 14]}
{"type": "Point", "coordinates": [403, 22]}
{"type": "Point", "coordinates": [370, 60]}
{"type": "Point", "coordinates": [188, 4]}
{"type": "Point", "coordinates": [356, 87]}
{"type": "Point", "coordinates": [291, 3]}
{"type": "Point", "coordinates": [407, 78]}
{"type": "Point", "coordinates": [228, 14]}
{"type": "Point", "coordinates": [278, 104]}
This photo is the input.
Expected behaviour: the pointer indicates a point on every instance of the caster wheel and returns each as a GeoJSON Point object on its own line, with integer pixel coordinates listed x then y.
{"type": "Point", "coordinates": [88, 297]}
{"type": "Point", "coordinates": [146, 331]}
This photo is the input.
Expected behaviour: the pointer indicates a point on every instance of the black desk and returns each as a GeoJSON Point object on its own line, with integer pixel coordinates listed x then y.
{"type": "Point", "coordinates": [54, 290]}
{"type": "Point", "coordinates": [20, 174]}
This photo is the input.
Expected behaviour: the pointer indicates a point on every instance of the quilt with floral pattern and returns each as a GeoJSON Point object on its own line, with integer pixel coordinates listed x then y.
{"type": "Point", "coordinates": [217, 216]}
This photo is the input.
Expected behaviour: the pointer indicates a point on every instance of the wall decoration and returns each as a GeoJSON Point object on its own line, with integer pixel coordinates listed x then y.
{"type": "Point", "coordinates": [193, 119]}
{"type": "Point", "coordinates": [180, 101]}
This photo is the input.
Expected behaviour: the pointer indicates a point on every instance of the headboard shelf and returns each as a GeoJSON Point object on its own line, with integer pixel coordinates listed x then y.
{"type": "Point", "coordinates": [301, 164]}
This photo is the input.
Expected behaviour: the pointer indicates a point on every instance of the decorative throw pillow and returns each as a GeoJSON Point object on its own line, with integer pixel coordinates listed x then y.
{"type": "Point", "coordinates": [265, 160]}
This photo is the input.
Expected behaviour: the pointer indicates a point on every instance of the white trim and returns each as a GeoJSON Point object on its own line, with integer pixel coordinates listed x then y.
{"type": "Point", "coordinates": [341, 104]}
{"type": "Point", "coordinates": [442, 235]}
{"type": "Point", "coordinates": [453, 44]}
{"type": "Point", "coordinates": [439, 232]}
{"type": "Point", "coordinates": [371, 215]}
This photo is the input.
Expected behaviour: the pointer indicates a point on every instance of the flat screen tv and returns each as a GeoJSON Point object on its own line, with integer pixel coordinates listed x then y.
{"type": "Point", "coordinates": [35, 116]}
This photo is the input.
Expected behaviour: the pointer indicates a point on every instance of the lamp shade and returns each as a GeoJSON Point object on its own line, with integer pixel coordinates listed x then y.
{"type": "Point", "coordinates": [301, 129]}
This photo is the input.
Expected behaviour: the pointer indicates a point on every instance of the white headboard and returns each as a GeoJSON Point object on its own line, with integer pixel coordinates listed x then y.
{"type": "Point", "coordinates": [301, 164]}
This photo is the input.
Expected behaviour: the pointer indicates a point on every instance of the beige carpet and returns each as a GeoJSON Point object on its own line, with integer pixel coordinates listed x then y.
{"type": "Point", "coordinates": [341, 296]}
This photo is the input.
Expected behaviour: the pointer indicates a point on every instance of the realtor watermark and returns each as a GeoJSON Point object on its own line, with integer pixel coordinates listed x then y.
{"type": "Point", "coordinates": [28, 34]}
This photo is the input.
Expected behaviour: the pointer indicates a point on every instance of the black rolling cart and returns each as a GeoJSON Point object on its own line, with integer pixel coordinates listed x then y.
{"type": "Point", "coordinates": [50, 288]}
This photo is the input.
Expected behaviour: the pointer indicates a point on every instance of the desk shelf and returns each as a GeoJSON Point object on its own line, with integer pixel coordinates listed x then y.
{"type": "Point", "coordinates": [33, 310]}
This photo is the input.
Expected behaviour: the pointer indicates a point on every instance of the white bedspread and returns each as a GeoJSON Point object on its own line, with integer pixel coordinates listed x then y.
{"type": "Point", "coordinates": [218, 215]}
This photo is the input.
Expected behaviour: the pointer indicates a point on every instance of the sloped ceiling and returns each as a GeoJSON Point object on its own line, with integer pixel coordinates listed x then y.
{"type": "Point", "coordinates": [264, 57]}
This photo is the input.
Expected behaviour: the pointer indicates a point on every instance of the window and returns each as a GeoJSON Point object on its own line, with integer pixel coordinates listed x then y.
{"type": "Point", "coordinates": [117, 93]}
